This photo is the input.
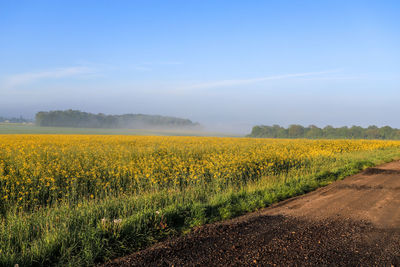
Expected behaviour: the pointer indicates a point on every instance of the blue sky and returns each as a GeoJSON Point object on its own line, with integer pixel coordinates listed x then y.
{"type": "Point", "coordinates": [226, 64]}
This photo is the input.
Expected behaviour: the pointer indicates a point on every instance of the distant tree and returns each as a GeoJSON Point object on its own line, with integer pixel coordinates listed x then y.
{"type": "Point", "coordinates": [329, 131]}
{"type": "Point", "coordinates": [257, 131]}
{"type": "Point", "coordinates": [279, 131]}
{"type": "Point", "coordinates": [357, 132]}
{"type": "Point", "coordinates": [20, 119]}
{"type": "Point", "coordinates": [296, 131]}
{"type": "Point", "coordinates": [76, 118]}
{"type": "Point", "coordinates": [387, 132]}
{"type": "Point", "coordinates": [342, 132]}
{"type": "Point", "coordinates": [313, 132]}
{"type": "Point", "coordinates": [372, 132]}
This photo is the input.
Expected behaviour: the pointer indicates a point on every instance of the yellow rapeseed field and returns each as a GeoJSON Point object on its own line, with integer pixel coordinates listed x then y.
{"type": "Point", "coordinates": [78, 200]}
{"type": "Point", "coordinates": [39, 170]}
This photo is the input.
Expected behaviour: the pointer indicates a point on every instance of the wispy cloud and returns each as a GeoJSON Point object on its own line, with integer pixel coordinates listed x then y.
{"type": "Point", "coordinates": [32, 77]}
{"type": "Point", "coordinates": [227, 83]}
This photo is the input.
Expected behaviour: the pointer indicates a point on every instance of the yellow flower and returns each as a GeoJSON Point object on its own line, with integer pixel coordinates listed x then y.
{"type": "Point", "coordinates": [38, 170]}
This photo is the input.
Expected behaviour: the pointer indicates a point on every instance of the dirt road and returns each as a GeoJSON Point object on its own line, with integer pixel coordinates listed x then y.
{"type": "Point", "coordinates": [355, 221]}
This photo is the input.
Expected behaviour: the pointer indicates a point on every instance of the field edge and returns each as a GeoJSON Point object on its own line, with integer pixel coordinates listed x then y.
{"type": "Point", "coordinates": [240, 203]}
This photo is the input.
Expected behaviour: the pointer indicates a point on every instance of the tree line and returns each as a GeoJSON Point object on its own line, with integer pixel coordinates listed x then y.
{"type": "Point", "coordinates": [328, 132]}
{"type": "Point", "coordinates": [14, 120]}
{"type": "Point", "coordinates": [79, 119]}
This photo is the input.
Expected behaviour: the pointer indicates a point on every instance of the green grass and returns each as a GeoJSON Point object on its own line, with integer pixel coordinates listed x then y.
{"type": "Point", "coordinates": [20, 128]}
{"type": "Point", "coordinates": [86, 234]}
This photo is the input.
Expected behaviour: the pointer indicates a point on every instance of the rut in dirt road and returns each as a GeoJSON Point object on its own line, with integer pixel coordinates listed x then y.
{"type": "Point", "coordinates": [355, 221]}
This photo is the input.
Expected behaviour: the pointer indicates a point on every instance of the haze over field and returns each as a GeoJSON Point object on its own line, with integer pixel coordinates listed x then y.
{"type": "Point", "coordinates": [226, 64]}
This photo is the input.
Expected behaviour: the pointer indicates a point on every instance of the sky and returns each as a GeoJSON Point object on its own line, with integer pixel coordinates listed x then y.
{"type": "Point", "coordinates": [228, 65]}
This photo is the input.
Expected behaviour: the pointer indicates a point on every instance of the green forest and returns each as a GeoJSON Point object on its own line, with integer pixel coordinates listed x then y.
{"type": "Point", "coordinates": [79, 119]}
{"type": "Point", "coordinates": [328, 132]}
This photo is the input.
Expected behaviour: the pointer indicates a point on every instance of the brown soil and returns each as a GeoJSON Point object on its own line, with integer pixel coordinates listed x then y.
{"type": "Point", "coordinates": [355, 221]}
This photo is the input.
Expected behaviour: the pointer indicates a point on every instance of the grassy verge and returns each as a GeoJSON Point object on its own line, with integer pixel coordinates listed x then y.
{"type": "Point", "coordinates": [97, 230]}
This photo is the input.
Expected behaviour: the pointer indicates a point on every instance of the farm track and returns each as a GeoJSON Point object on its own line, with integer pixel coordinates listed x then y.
{"type": "Point", "coordinates": [351, 222]}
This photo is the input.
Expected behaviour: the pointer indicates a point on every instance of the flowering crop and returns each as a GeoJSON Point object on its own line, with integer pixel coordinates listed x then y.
{"type": "Point", "coordinates": [40, 170]}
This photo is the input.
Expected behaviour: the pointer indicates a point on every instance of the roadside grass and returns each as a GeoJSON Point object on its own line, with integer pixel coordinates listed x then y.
{"type": "Point", "coordinates": [94, 231]}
